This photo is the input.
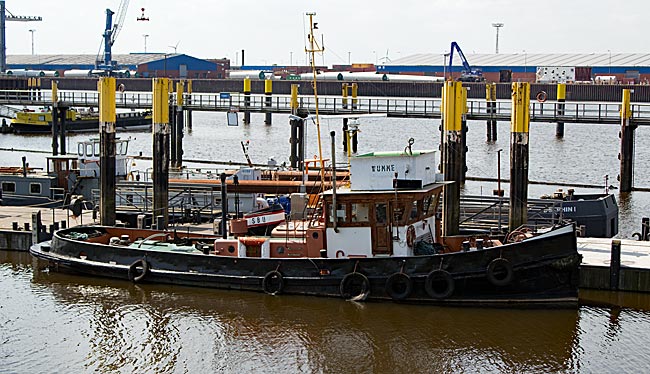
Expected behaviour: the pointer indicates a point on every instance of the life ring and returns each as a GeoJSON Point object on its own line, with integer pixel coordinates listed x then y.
{"type": "Point", "coordinates": [121, 87]}
{"type": "Point", "coordinates": [499, 272]}
{"type": "Point", "coordinates": [410, 236]}
{"type": "Point", "coordinates": [399, 286]}
{"type": "Point", "coordinates": [541, 96]}
{"type": "Point", "coordinates": [354, 286]}
{"type": "Point", "coordinates": [439, 284]}
{"type": "Point", "coordinates": [138, 270]}
{"type": "Point", "coordinates": [252, 241]}
{"type": "Point", "coordinates": [273, 283]}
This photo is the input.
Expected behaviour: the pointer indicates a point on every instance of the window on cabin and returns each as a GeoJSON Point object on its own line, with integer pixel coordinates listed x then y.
{"type": "Point", "coordinates": [8, 187]}
{"type": "Point", "coordinates": [430, 205]}
{"type": "Point", "coordinates": [360, 212]}
{"type": "Point", "coordinates": [416, 208]}
{"type": "Point", "coordinates": [35, 188]}
{"type": "Point", "coordinates": [398, 212]}
{"type": "Point", "coordinates": [381, 213]}
{"type": "Point", "coordinates": [41, 118]}
{"type": "Point", "coordinates": [89, 150]}
{"type": "Point", "coordinates": [340, 213]}
{"type": "Point", "coordinates": [80, 149]}
{"type": "Point", "coordinates": [96, 149]}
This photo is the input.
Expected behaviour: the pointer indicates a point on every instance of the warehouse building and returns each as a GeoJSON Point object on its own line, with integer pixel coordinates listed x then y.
{"type": "Point", "coordinates": [146, 65]}
{"type": "Point", "coordinates": [531, 67]}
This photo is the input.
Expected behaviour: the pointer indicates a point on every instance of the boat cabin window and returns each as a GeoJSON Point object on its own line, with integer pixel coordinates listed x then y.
{"type": "Point", "coordinates": [381, 213]}
{"type": "Point", "coordinates": [416, 209]}
{"type": "Point", "coordinates": [89, 150]}
{"type": "Point", "coordinates": [8, 187]}
{"type": "Point", "coordinates": [360, 212]}
{"type": "Point", "coordinates": [35, 188]}
{"type": "Point", "coordinates": [121, 148]}
{"type": "Point", "coordinates": [341, 213]}
{"type": "Point", "coordinates": [41, 118]}
{"type": "Point", "coordinates": [96, 149]}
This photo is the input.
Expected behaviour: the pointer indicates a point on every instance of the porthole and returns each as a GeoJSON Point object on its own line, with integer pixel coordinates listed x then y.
{"type": "Point", "coordinates": [231, 249]}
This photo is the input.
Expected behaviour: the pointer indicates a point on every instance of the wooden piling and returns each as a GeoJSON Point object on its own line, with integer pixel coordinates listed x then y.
{"type": "Point", "coordinates": [188, 101]}
{"type": "Point", "coordinates": [491, 104]}
{"type": "Point", "coordinates": [107, 118]}
{"type": "Point", "coordinates": [615, 265]}
{"type": "Point", "coordinates": [63, 113]}
{"type": "Point", "coordinates": [161, 132]}
{"type": "Point", "coordinates": [344, 94]}
{"type": "Point", "coordinates": [268, 100]}
{"type": "Point", "coordinates": [55, 103]}
{"type": "Point", "coordinates": [520, 121]}
{"type": "Point", "coordinates": [247, 101]}
{"type": "Point", "coordinates": [452, 107]}
{"type": "Point", "coordinates": [224, 206]}
{"type": "Point", "coordinates": [561, 96]}
{"type": "Point", "coordinates": [627, 144]}
{"type": "Point", "coordinates": [178, 127]}
{"type": "Point", "coordinates": [463, 138]}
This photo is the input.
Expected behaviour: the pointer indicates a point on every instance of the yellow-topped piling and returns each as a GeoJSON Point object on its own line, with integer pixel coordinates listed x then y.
{"type": "Point", "coordinates": [452, 105]}
{"type": "Point", "coordinates": [106, 86]}
{"type": "Point", "coordinates": [188, 86]}
{"type": "Point", "coordinates": [491, 105]}
{"type": "Point", "coordinates": [355, 89]}
{"type": "Point", "coordinates": [344, 94]}
{"type": "Point", "coordinates": [294, 98]}
{"type": "Point", "coordinates": [55, 92]}
{"type": "Point", "coordinates": [561, 91]}
{"type": "Point", "coordinates": [247, 85]}
{"type": "Point", "coordinates": [160, 101]}
{"type": "Point", "coordinates": [626, 107]}
{"type": "Point", "coordinates": [520, 119]}
{"type": "Point", "coordinates": [180, 88]}
{"type": "Point", "coordinates": [268, 86]}
{"type": "Point", "coordinates": [490, 92]}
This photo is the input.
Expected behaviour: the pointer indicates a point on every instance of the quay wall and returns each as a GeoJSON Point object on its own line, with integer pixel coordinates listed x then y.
{"type": "Point", "coordinates": [574, 92]}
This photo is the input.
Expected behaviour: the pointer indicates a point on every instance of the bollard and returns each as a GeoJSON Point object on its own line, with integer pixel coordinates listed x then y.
{"type": "Point", "coordinates": [55, 225]}
{"type": "Point", "coordinates": [63, 224]}
{"type": "Point", "coordinates": [160, 222]}
{"type": "Point", "coordinates": [26, 225]}
{"type": "Point", "coordinates": [615, 265]}
{"type": "Point", "coordinates": [14, 226]}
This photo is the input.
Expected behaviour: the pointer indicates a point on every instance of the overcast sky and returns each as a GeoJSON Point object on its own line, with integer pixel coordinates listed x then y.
{"type": "Point", "coordinates": [370, 31]}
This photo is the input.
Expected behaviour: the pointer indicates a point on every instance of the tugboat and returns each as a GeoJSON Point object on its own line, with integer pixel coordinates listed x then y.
{"type": "Point", "coordinates": [378, 238]}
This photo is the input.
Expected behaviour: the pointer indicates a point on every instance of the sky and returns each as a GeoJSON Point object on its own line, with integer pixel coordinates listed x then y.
{"type": "Point", "coordinates": [358, 31]}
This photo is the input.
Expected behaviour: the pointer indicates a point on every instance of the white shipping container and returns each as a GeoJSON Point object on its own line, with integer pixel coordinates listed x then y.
{"type": "Point", "coordinates": [556, 74]}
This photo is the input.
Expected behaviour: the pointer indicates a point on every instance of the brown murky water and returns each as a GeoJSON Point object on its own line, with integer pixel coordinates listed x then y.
{"type": "Point", "coordinates": [52, 322]}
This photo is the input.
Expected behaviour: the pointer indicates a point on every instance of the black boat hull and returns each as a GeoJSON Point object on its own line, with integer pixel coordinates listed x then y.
{"type": "Point", "coordinates": [544, 272]}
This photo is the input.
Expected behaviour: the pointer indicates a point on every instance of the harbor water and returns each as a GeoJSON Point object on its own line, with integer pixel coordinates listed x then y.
{"type": "Point", "coordinates": [53, 322]}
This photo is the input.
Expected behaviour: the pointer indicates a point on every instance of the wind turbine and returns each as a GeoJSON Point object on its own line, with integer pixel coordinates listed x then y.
{"type": "Point", "coordinates": [174, 46]}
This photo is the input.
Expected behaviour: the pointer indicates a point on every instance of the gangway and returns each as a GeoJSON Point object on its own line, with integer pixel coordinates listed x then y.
{"type": "Point", "coordinates": [7, 111]}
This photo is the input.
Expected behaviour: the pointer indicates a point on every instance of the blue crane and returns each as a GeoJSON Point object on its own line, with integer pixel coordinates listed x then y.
{"type": "Point", "coordinates": [111, 31]}
{"type": "Point", "coordinates": [468, 74]}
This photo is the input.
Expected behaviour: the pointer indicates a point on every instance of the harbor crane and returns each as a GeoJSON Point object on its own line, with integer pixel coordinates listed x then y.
{"type": "Point", "coordinates": [6, 15]}
{"type": "Point", "coordinates": [112, 30]}
{"type": "Point", "coordinates": [468, 74]}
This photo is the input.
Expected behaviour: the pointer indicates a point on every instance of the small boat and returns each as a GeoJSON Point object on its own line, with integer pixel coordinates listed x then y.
{"type": "Point", "coordinates": [263, 221]}
{"type": "Point", "coordinates": [40, 122]}
{"type": "Point", "coordinates": [369, 242]}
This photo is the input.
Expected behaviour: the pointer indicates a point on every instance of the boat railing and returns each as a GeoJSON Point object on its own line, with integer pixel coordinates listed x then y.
{"type": "Point", "coordinates": [491, 212]}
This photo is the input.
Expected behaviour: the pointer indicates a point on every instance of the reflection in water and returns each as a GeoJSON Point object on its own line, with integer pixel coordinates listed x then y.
{"type": "Point", "coordinates": [162, 328]}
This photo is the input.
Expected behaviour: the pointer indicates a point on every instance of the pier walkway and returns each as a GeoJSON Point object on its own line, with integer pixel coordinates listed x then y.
{"type": "Point", "coordinates": [477, 109]}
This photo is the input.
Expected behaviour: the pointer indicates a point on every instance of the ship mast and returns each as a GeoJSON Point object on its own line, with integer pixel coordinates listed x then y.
{"type": "Point", "coordinates": [313, 48]}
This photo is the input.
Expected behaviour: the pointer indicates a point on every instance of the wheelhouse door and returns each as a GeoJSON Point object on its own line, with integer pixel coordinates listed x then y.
{"type": "Point", "coordinates": [381, 232]}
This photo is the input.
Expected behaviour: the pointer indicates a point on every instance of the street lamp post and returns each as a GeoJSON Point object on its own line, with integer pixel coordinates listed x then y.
{"type": "Point", "coordinates": [525, 63]}
{"type": "Point", "coordinates": [349, 58]}
{"type": "Point", "coordinates": [444, 66]}
{"type": "Point", "coordinates": [497, 26]}
{"type": "Point", "coordinates": [32, 32]}
{"type": "Point", "coordinates": [145, 42]}
{"type": "Point", "coordinates": [610, 61]}
{"type": "Point", "coordinates": [290, 58]}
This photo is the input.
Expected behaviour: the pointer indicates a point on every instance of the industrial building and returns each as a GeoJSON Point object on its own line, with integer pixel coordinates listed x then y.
{"type": "Point", "coordinates": [146, 65]}
{"type": "Point", "coordinates": [594, 67]}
